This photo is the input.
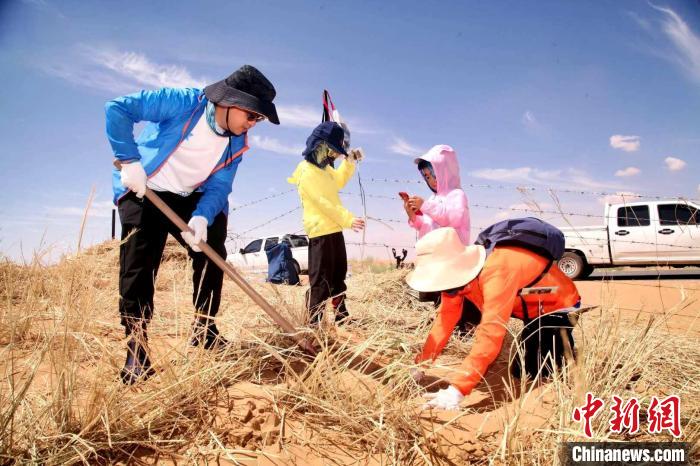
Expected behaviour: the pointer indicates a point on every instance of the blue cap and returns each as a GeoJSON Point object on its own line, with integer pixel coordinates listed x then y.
{"type": "Point", "coordinates": [329, 132]}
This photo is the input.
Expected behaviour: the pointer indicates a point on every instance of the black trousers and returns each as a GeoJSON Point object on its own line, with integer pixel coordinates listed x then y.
{"type": "Point", "coordinates": [543, 345]}
{"type": "Point", "coordinates": [144, 232]}
{"type": "Point", "coordinates": [328, 266]}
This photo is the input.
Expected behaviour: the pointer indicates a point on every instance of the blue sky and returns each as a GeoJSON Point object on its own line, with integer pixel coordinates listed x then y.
{"type": "Point", "coordinates": [601, 97]}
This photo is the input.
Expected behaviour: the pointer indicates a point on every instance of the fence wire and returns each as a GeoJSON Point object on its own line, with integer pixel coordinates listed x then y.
{"type": "Point", "coordinates": [583, 234]}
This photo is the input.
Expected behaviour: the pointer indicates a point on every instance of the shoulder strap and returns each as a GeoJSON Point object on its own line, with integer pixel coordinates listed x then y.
{"type": "Point", "coordinates": [532, 283]}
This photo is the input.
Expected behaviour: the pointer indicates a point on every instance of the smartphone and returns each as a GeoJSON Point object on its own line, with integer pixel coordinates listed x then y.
{"type": "Point", "coordinates": [404, 196]}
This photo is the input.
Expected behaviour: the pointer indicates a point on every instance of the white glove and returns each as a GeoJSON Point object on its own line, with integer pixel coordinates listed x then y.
{"type": "Point", "coordinates": [356, 155]}
{"type": "Point", "coordinates": [199, 225]}
{"type": "Point", "coordinates": [448, 398]}
{"type": "Point", "coordinates": [134, 177]}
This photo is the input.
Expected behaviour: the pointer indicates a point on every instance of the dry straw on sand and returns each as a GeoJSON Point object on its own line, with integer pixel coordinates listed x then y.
{"type": "Point", "coordinates": [261, 400]}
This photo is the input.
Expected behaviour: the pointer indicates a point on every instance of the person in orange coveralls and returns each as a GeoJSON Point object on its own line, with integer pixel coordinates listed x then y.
{"type": "Point", "coordinates": [493, 284]}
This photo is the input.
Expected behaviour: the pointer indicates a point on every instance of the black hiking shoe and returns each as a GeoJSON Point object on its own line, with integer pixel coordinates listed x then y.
{"type": "Point", "coordinates": [342, 319]}
{"type": "Point", "coordinates": [206, 334]}
{"type": "Point", "coordinates": [137, 366]}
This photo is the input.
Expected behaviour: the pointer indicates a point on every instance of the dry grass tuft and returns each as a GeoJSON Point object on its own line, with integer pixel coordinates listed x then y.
{"type": "Point", "coordinates": [61, 349]}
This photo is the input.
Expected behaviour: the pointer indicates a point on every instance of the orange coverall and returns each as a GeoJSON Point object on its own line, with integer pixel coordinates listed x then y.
{"type": "Point", "coordinates": [495, 293]}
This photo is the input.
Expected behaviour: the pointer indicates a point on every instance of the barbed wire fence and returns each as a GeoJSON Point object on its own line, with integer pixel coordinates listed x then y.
{"type": "Point", "coordinates": [523, 190]}
{"type": "Point", "coordinates": [529, 205]}
{"type": "Point", "coordinates": [583, 234]}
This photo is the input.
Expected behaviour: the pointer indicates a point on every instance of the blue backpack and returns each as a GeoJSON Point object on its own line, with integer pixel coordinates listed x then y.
{"type": "Point", "coordinates": [280, 268]}
{"type": "Point", "coordinates": [529, 233]}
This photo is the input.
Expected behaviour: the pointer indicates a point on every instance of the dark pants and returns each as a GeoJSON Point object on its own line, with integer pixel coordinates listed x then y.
{"type": "Point", "coordinates": [543, 345]}
{"type": "Point", "coordinates": [328, 265]}
{"type": "Point", "coordinates": [144, 232]}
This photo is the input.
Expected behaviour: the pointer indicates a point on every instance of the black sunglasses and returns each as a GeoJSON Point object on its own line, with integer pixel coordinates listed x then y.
{"type": "Point", "coordinates": [251, 116]}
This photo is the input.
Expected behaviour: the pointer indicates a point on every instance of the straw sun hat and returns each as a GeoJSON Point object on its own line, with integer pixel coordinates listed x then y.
{"type": "Point", "coordinates": [443, 262]}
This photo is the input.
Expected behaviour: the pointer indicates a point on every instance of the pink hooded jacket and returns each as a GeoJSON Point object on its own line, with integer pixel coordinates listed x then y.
{"type": "Point", "coordinates": [449, 206]}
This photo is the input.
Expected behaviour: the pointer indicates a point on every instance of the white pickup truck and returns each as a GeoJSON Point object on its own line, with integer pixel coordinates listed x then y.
{"type": "Point", "coordinates": [635, 234]}
{"type": "Point", "coordinates": [253, 257]}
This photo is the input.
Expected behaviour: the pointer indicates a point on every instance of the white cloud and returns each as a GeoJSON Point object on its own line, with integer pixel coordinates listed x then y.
{"type": "Point", "coordinates": [529, 120]}
{"type": "Point", "coordinates": [143, 71]}
{"type": "Point", "coordinates": [629, 171]}
{"type": "Point", "coordinates": [561, 179]}
{"type": "Point", "coordinates": [108, 69]}
{"type": "Point", "coordinates": [306, 116]}
{"type": "Point", "coordinates": [625, 143]}
{"type": "Point", "coordinates": [685, 41]}
{"type": "Point", "coordinates": [621, 197]}
{"type": "Point", "coordinates": [674, 164]}
{"type": "Point", "coordinates": [274, 145]}
{"type": "Point", "coordinates": [575, 178]}
{"type": "Point", "coordinates": [101, 209]}
{"type": "Point", "coordinates": [46, 7]}
{"type": "Point", "coordinates": [117, 71]}
{"type": "Point", "coordinates": [299, 116]}
{"type": "Point", "coordinates": [641, 22]}
{"type": "Point", "coordinates": [504, 174]}
{"type": "Point", "coordinates": [87, 77]}
{"type": "Point", "coordinates": [37, 3]}
{"type": "Point", "coordinates": [518, 175]}
{"type": "Point", "coordinates": [523, 209]}
{"type": "Point", "coordinates": [362, 126]}
{"type": "Point", "coordinates": [401, 147]}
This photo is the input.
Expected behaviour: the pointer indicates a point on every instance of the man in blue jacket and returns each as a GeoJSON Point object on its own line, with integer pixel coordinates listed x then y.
{"type": "Point", "coordinates": [188, 153]}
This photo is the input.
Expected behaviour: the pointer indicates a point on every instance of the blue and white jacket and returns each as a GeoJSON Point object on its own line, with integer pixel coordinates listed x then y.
{"type": "Point", "coordinates": [172, 114]}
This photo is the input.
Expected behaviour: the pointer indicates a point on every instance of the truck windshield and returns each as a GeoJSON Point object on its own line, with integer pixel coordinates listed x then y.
{"type": "Point", "coordinates": [296, 241]}
{"type": "Point", "coordinates": [253, 246]}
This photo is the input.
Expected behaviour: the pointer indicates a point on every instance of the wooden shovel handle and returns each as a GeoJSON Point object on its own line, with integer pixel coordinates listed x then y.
{"type": "Point", "coordinates": [232, 273]}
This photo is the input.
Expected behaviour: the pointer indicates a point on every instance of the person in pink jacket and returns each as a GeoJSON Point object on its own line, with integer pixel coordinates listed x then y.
{"type": "Point", "coordinates": [448, 206]}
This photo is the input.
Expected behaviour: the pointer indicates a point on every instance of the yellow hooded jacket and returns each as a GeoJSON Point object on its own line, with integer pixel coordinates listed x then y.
{"type": "Point", "coordinates": [318, 190]}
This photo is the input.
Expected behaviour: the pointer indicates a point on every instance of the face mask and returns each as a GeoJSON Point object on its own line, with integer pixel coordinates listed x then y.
{"type": "Point", "coordinates": [322, 155]}
{"type": "Point", "coordinates": [210, 113]}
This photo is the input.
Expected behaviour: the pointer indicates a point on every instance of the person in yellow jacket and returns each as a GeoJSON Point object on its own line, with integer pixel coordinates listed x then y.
{"type": "Point", "coordinates": [325, 218]}
{"type": "Point", "coordinates": [493, 284]}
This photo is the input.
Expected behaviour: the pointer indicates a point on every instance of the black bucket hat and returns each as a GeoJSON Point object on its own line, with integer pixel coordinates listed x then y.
{"type": "Point", "coordinates": [329, 132]}
{"type": "Point", "coordinates": [246, 88]}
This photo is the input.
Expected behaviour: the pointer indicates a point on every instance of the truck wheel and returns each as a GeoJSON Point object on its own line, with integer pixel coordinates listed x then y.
{"type": "Point", "coordinates": [587, 271]}
{"type": "Point", "coordinates": [574, 266]}
{"type": "Point", "coordinates": [296, 267]}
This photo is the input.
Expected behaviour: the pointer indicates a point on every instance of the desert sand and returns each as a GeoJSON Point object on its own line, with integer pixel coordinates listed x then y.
{"type": "Point", "coordinates": [262, 402]}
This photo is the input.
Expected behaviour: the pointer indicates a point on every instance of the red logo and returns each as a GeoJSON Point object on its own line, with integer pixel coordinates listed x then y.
{"type": "Point", "coordinates": [624, 416]}
{"type": "Point", "coordinates": [587, 412]}
{"type": "Point", "coordinates": [665, 414]}
{"type": "Point", "coordinates": [662, 415]}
